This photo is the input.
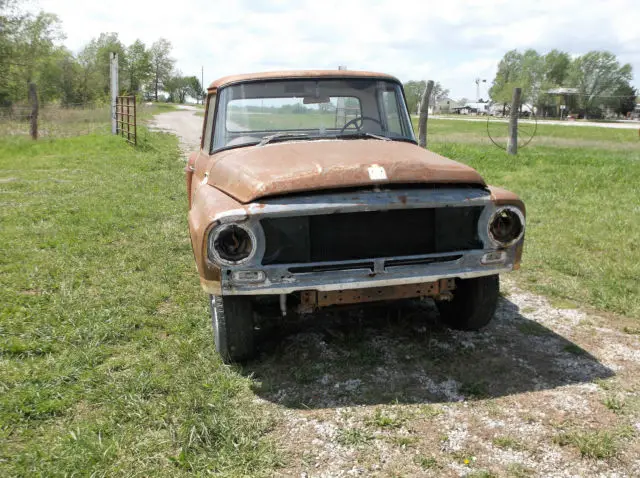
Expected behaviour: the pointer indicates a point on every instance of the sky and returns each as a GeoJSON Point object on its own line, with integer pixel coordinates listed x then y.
{"type": "Point", "coordinates": [451, 41]}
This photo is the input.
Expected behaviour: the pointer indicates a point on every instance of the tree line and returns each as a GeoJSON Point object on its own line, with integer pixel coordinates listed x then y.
{"type": "Point", "coordinates": [413, 91]}
{"type": "Point", "coordinates": [31, 51]}
{"type": "Point", "coordinates": [597, 81]}
{"type": "Point", "coordinates": [594, 82]}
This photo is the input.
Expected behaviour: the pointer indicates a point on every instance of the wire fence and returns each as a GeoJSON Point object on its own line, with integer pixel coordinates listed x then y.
{"type": "Point", "coordinates": [55, 121]}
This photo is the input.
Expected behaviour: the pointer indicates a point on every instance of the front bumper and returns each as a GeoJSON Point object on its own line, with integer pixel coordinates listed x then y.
{"type": "Point", "coordinates": [280, 280]}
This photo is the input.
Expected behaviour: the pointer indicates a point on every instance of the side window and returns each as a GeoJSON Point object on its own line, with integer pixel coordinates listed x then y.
{"type": "Point", "coordinates": [392, 116]}
{"type": "Point", "coordinates": [208, 129]}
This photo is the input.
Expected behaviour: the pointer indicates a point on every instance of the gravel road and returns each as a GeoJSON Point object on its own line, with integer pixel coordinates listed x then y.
{"type": "Point", "coordinates": [544, 391]}
{"type": "Point", "coordinates": [183, 123]}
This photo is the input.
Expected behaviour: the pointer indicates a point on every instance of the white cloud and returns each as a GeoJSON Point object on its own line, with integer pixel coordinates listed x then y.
{"type": "Point", "coordinates": [452, 41]}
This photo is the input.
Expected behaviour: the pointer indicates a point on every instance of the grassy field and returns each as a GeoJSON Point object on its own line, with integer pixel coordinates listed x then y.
{"type": "Point", "coordinates": [106, 362]}
{"type": "Point", "coordinates": [581, 186]}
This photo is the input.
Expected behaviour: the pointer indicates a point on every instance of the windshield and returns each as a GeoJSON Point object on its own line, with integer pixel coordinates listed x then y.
{"type": "Point", "coordinates": [270, 111]}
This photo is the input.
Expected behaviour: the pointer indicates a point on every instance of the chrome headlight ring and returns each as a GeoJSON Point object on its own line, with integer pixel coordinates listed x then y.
{"type": "Point", "coordinates": [513, 213]}
{"type": "Point", "coordinates": [217, 234]}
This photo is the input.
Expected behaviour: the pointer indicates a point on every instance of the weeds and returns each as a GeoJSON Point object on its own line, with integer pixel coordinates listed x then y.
{"type": "Point", "coordinates": [353, 437]}
{"type": "Point", "coordinates": [614, 404]}
{"type": "Point", "coordinates": [507, 442]}
{"type": "Point", "coordinates": [594, 444]}
{"type": "Point", "coordinates": [381, 419]}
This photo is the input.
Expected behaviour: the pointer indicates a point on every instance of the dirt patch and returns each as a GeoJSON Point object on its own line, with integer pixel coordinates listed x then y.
{"type": "Point", "coordinates": [388, 391]}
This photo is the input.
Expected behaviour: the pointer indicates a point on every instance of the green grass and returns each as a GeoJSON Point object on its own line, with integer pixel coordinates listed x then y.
{"type": "Point", "coordinates": [533, 328]}
{"type": "Point", "coordinates": [381, 419]}
{"type": "Point", "coordinates": [353, 437]}
{"type": "Point", "coordinates": [575, 349]}
{"type": "Point", "coordinates": [614, 404]}
{"type": "Point", "coordinates": [507, 442]}
{"type": "Point", "coordinates": [597, 445]}
{"type": "Point", "coordinates": [517, 470]}
{"type": "Point", "coordinates": [106, 358]}
{"type": "Point", "coordinates": [581, 189]}
{"type": "Point", "coordinates": [427, 462]}
{"type": "Point", "coordinates": [255, 121]}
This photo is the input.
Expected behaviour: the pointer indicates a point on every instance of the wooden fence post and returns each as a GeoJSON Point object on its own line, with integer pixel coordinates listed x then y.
{"type": "Point", "coordinates": [512, 142]}
{"type": "Point", "coordinates": [33, 99]}
{"type": "Point", "coordinates": [424, 115]}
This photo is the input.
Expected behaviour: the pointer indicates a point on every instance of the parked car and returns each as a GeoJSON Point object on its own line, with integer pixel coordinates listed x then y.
{"type": "Point", "coordinates": [310, 191]}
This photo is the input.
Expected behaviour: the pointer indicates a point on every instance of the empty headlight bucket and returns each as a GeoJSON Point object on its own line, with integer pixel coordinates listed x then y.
{"type": "Point", "coordinates": [231, 244]}
{"type": "Point", "coordinates": [506, 226]}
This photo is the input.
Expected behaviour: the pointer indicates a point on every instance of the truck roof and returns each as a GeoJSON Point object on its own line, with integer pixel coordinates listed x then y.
{"type": "Point", "coordinates": [298, 74]}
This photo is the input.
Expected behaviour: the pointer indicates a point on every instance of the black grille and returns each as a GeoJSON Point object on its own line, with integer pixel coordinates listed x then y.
{"type": "Point", "coordinates": [367, 235]}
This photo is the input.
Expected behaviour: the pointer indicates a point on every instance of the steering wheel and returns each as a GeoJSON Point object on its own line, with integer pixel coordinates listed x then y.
{"type": "Point", "coordinates": [361, 119]}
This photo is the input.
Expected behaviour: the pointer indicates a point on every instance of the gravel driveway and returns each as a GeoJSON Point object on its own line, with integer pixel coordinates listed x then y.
{"type": "Point", "coordinates": [386, 391]}
{"type": "Point", "coordinates": [183, 123]}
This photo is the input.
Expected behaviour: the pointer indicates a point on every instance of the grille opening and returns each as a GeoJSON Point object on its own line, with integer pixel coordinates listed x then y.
{"type": "Point", "coordinates": [371, 234]}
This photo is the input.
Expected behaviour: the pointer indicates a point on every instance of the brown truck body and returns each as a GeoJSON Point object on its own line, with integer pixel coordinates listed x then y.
{"type": "Point", "coordinates": [322, 187]}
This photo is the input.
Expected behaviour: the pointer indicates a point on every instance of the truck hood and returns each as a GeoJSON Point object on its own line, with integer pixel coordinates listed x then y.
{"type": "Point", "coordinates": [253, 172]}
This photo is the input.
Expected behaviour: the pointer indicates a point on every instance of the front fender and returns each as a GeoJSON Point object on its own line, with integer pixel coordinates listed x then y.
{"type": "Point", "coordinates": [208, 204]}
{"type": "Point", "coordinates": [503, 197]}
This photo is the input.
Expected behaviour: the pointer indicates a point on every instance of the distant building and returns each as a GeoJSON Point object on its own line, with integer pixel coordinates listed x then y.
{"type": "Point", "coordinates": [473, 108]}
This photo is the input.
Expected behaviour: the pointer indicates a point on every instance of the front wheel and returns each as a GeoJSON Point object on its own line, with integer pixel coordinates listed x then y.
{"type": "Point", "coordinates": [473, 305]}
{"type": "Point", "coordinates": [232, 320]}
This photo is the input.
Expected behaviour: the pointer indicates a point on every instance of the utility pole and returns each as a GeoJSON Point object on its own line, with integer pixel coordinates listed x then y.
{"type": "Point", "coordinates": [113, 56]}
{"type": "Point", "coordinates": [202, 83]}
{"type": "Point", "coordinates": [512, 143]}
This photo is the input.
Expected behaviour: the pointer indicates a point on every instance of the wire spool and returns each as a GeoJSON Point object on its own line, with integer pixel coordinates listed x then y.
{"type": "Point", "coordinates": [498, 127]}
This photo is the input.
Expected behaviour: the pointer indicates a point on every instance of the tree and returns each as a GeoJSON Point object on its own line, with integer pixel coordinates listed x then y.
{"type": "Point", "coordinates": [556, 66]}
{"type": "Point", "coordinates": [507, 77]}
{"type": "Point", "coordinates": [532, 74]}
{"type": "Point", "coordinates": [9, 24]}
{"type": "Point", "coordinates": [29, 41]}
{"type": "Point", "coordinates": [413, 91]}
{"type": "Point", "coordinates": [96, 62]}
{"type": "Point", "coordinates": [194, 88]}
{"type": "Point", "coordinates": [597, 74]}
{"type": "Point", "coordinates": [138, 67]}
{"type": "Point", "coordinates": [438, 93]}
{"type": "Point", "coordinates": [177, 86]}
{"type": "Point", "coordinates": [625, 100]}
{"type": "Point", "coordinates": [161, 64]}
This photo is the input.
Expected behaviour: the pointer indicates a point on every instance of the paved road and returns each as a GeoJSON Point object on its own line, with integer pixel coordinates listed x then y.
{"type": "Point", "coordinates": [618, 125]}
{"type": "Point", "coordinates": [183, 123]}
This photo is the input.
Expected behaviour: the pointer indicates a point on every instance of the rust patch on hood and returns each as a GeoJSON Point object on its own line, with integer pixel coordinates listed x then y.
{"type": "Point", "coordinates": [253, 172]}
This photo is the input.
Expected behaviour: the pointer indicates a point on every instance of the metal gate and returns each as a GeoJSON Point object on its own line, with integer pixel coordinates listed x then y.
{"type": "Point", "coordinates": [126, 118]}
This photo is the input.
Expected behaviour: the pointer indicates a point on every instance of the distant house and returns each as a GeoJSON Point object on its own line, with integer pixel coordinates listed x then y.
{"type": "Point", "coordinates": [442, 106]}
{"type": "Point", "coordinates": [473, 108]}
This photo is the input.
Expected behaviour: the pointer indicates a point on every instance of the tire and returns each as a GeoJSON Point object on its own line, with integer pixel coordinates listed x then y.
{"type": "Point", "coordinates": [473, 305]}
{"type": "Point", "coordinates": [232, 320]}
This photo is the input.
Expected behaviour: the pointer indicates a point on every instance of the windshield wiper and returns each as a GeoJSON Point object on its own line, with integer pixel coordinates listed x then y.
{"type": "Point", "coordinates": [271, 137]}
{"type": "Point", "coordinates": [364, 134]}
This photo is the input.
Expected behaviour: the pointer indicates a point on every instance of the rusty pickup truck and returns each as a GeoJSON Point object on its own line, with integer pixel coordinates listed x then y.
{"type": "Point", "coordinates": [309, 191]}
